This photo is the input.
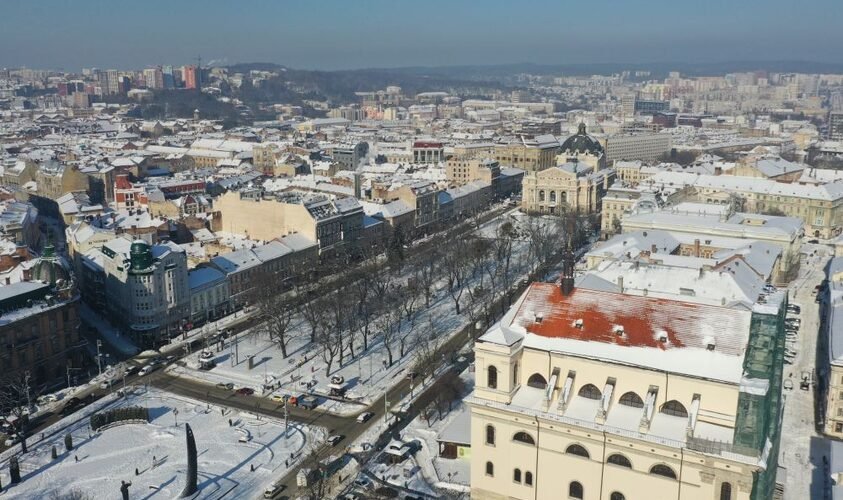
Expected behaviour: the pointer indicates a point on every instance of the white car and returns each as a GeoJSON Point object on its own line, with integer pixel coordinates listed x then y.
{"type": "Point", "coordinates": [364, 417]}
{"type": "Point", "coordinates": [146, 370]}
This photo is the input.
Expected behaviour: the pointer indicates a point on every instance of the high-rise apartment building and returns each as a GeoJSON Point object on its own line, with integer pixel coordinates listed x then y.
{"type": "Point", "coordinates": [190, 77]}
{"type": "Point", "coordinates": [154, 78]}
{"type": "Point", "coordinates": [835, 126]}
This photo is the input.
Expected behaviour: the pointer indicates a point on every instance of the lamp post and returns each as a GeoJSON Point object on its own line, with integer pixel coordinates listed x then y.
{"type": "Point", "coordinates": [99, 356]}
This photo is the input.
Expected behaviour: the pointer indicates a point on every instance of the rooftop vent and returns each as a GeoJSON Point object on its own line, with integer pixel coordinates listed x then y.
{"type": "Point", "coordinates": [578, 323]}
{"type": "Point", "coordinates": [661, 336]}
{"type": "Point", "coordinates": [618, 330]}
{"type": "Point", "coordinates": [539, 316]}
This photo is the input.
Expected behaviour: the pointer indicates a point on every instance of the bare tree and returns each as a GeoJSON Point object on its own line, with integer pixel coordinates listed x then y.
{"type": "Point", "coordinates": [14, 397]}
{"type": "Point", "coordinates": [408, 295]}
{"type": "Point", "coordinates": [389, 324]}
{"type": "Point", "coordinates": [328, 340]}
{"type": "Point", "coordinates": [426, 274]}
{"type": "Point", "coordinates": [275, 311]}
{"type": "Point", "coordinates": [455, 269]}
{"type": "Point", "coordinates": [502, 250]}
{"type": "Point", "coordinates": [310, 312]}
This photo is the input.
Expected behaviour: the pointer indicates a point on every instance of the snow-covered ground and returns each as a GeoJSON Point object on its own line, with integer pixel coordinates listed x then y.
{"type": "Point", "coordinates": [367, 375]}
{"type": "Point", "coordinates": [99, 461]}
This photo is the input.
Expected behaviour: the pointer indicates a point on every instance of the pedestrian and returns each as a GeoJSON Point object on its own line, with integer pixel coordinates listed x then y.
{"type": "Point", "coordinates": [76, 457]}
{"type": "Point", "coordinates": [136, 472]}
{"type": "Point", "coordinates": [230, 423]}
{"type": "Point", "coordinates": [286, 463]}
{"type": "Point", "coordinates": [252, 467]}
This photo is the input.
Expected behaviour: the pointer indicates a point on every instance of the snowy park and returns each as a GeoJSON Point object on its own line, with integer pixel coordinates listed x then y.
{"type": "Point", "coordinates": [400, 337]}
{"type": "Point", "coordinates": [239, 454]}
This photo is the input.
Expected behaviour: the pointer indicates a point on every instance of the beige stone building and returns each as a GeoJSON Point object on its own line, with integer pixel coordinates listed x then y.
{"type": "Point", "coordinates": [586, 394]}
{"type": "Point", "coordinates": [332, 223]}
{"type": "Point", "coordinates": [464, 170]}
{"type": "Point", "coordinates": [573, 185]}
{"type": "Point", "coordinates": [820, 206]}
{"type": "Point", "coordinates": [532, 156]}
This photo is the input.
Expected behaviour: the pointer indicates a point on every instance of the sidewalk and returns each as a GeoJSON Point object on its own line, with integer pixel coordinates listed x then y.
{"type": "Point", "coordinates": [109, 333]}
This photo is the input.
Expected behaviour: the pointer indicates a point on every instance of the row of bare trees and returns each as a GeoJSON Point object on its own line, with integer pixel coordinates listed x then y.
{"type": "Point", "coordinates": [385, 302]}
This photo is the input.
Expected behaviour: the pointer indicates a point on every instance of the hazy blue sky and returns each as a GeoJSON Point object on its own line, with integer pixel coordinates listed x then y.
{"type": "Point", "coordinates": [335, 34]}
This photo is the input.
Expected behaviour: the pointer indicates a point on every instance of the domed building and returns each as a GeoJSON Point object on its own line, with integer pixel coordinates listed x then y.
{"type": "Point", "coordinates": [51, 269]}
{"type": "Point", "coordinates": [583, 148]}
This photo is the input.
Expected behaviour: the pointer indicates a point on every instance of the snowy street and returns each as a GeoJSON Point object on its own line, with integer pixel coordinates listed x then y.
{"type": "Point", "coordinates": [227, 452]}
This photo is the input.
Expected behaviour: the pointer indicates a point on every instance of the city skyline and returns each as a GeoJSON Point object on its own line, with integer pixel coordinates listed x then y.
{"type": "Point", "coordinates": [64, 35]}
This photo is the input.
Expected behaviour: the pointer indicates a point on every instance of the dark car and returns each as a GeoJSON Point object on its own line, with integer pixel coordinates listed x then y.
{"type": "Point", "coordinates": [245, 391]}
{"type": "Point", "coordinates": [71, 406]}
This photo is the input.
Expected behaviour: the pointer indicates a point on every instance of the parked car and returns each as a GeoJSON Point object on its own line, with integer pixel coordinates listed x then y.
{"type": "Point", "coordinates": [146, 370]}
{"type": "Point", "coordinates": [245, 391]}
{"type": "Point", "coordinates": [364, 417]}
{"type": "Point", "coordinates": [307, 402]}
{"type": "Point", "coordinates": [106, 384]}
{"type": "Point", "coordinates": [225, 385]}
{"type": "Point", "coordinates": [362, 481]}
{"type": "Point", "coordinates": [71, 406]}
{"type": "Point", "coordinates": [335, 438]}
{"type": "Point", "coordinates": [279, 398]}
{"type": "Point", "coordinates": [273, 489]}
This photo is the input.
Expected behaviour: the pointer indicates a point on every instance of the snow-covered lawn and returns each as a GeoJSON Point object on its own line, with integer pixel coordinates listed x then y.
{"type": "Point", "coordinates": [100, 460]}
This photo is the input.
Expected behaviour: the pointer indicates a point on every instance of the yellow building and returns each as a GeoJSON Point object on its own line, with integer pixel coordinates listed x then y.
{"type": "Point", "coordinates": [329, 222]}
{"type": "Point", "coordinates": [585, 394]}
{"type": "Point", "coordinates": [532, 156]}
{"type": "Point", "coordinates": [574, 185]}
{"type": "Point", "coordinates": [461, 171]}
{"type": "Point", "coordinates": [834, 389]}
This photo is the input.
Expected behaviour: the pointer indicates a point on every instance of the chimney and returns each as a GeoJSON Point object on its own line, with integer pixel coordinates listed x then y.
{"type": "Point", "coordinates": [654, 249]}
{"type": "Point", "coordinates": [696, 248]}
{"type": "Point", "coordinates": [620, 283]}
{"type": "Point", "coordinates": [718, 170]}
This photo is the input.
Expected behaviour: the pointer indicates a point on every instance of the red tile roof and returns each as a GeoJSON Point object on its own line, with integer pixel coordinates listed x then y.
{"type": "Point", "coordinates": [643, 319]}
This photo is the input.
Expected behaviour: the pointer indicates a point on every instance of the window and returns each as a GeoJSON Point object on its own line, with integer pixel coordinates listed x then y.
{"type": "Point", "coordinates": [616, 496]}
{"type": "Point", "coordinates": [838, 427]}
{"type": "Point", "coordinates": [589, 391]}
{"type": "Point", "coordinates": [674, 408]}
{"type": "Point", "coordinates": [631, 399]}
{"type": "Point", "coordinates": [726, 491]}
{"type": "Point", "coordinates": [575, 490]}
{"type": "Point", "coordinates": [490, 469]}
{"type": "Point", "coordinates": [490, 435]}
{"type": "Point", "coordinates": [553, 196]}
{"type": "Point", "coordinates": [492, 378]}
{"type": "Point", "coordinates": [577, 450]}
{"type": "Point", "coordinates": [528, 478]}
{"type": "Point", "coordinates": [537, 380]}
{"type": "Point", "coordinates": [516, 475]}
{"type": "Point", "coordinates": [523, 437]}
{"type": "Point", "coordinates": [618, 459]}
{"type": "Point", "coordinates": [663, 470]}
{"type": "Point", "coordinates": [541, 195]}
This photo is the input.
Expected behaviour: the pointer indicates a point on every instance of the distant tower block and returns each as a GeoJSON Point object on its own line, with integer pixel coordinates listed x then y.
{"type": "Point", "coordinates": [196, 114]}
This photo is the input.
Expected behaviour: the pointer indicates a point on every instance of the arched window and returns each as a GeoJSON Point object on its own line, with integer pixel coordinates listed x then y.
{"type": "Point", "coordinates": [523, 437]}
{"type": "Point", "coordinates": [490, 469]}
{"type": "Point", "coordinates": [490, 435]}
{"type": "Point", "coordinates": [537, 380]}
{"type": "Point", "coordinates": [541, 195]}
{"type": "Point", "coordinates": [553, 196]}
{"type": "Point", "coordinates": [618, 459]}
{"type": "Point", "coordinates": [663, 470]}
{"type": "Point", "coordinates": [528, 478]}
{"type": "Point", "coordinates": [616, 496]}
{"type": "Point", "coordinates": [726, 491]}
{"type": "Point", "coordinates": [516, 475]}
{"type": "Point", "coordinates": [492, 378]}
{"type": "Point", "coordinates": [589, 391]}
{"type": "Point", "coordinates": [577, 450]}
{"type": "Point", "coordinates": [575, 490]}
{"type": "Point", "coordinates": [631, 399]}
{"type": "Point", "coordinates": [674, 408]}
{"type": "Point", "coordinates": [564, 197]}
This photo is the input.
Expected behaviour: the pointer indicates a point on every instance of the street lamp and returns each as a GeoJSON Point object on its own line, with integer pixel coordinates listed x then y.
{"type": "Point", "coordinates": [99, 356]}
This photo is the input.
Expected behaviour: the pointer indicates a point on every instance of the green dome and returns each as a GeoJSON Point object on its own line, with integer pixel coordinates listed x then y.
{"type": "Point", "coordinates": [49, 268]}
{"type": "Point", "coordinates": [140, 255]}
{"type": "Point", "coordinates": [582, 143]}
